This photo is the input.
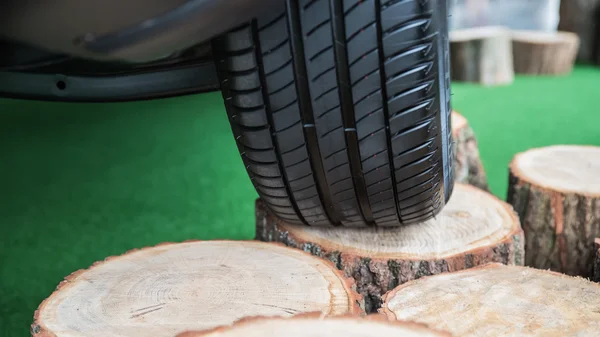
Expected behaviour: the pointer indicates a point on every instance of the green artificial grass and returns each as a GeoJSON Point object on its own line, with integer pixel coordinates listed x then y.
{"type": "Point", "coordinates": [80, 182]}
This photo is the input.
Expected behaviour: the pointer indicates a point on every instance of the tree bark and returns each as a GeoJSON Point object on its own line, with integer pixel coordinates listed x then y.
{"type": "Point", "coordinates": [498, 300]}
{"type": "Point", "coordinates": [555, 192]}
{"type": "Point", "coordinates": [310, 325]}
{"type": "Point", "coordinates": [482, 55]}
{"type": "Point", "coordinates": [468, 167]}
{"type": "Point", "coordinates": [541, 53]}
{"type": "Point", "coordinates": [596, 264]}
{"type": "Point", "coordinates": [582, 17]}
{"type": "Point", "coordinates": [174, 287]}
{"type": "Point", "coordinates": [473, 228]}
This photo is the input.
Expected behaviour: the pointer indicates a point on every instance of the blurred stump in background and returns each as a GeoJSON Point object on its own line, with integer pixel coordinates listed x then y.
{"type": "Point", "coordinates": [541, 53]}
{"type": "Point", "coordinates": [482, 55]}
{"type": "Point", "coordinates": [582, 17]}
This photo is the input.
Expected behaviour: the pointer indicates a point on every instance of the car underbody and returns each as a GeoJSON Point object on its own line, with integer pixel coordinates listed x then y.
{"type": "Point", "coordinates": [102, 51]}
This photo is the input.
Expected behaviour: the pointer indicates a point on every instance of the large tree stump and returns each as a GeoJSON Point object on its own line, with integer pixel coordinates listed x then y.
{"type": "Point", "coordinates": [482, 55]}
{"type": "Point", "coordinates": [473, 228]}
{"type": "Point", "coordinates": [496, 300]}
{"type": "Point", "coordinates": [556, 192]}
{"type": "Point", "coordinates": [468, 167]}
{"type": "Point", "coordinates": [582, 17]}
{"type": "Point", "coordinates": [544, 53]}
{"type": "Point", "coordinates": [596, 265]}
{"type": "Point", "coordinates": [314, 325]}
{"type": "Point", "coordinates": [172, 288]}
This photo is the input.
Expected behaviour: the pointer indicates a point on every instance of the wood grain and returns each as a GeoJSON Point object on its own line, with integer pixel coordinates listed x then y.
{"type": "Point", "coordinates": [497, 300]}
{"type": "Point", "coordinates": [174, 287]}
{"type": "Point", "coordinates": [474, 228]}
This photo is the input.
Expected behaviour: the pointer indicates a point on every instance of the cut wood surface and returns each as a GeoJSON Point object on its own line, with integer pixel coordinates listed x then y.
{"type": "Point", "coordinates": [468, 167]}
{"type": "Point", "coordinates": [482, 55]}
{"type": "Point", "coordinates": [314, 325]}
{"type": "Point", "coordinates": [473, 228]}
{"type": "Point", "coordinates": [596, 264]}
{"type": "Point", "coordinates": [556, 192]}
{"type": "Point", "coordinates": [544, 53]}
{"type": "Point", "coordinates": [496, 300]}
{"type": "Point", "coordinates": [175, 287]}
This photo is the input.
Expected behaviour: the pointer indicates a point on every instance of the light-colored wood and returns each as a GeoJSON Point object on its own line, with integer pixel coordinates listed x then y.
{"type": "Point", "coordinates": [314, 325]}
{"type": "Point", "coordinates": [556, 192]}
{"type": "Point", "coordinates": [482, 55]}
{"type": "Point", "coordinates": [563, 168]}
{"type": "Point", "coordinates": [496, 300]}
{"type": "Point", "coordinates": [544, 53]}
{"type": "Point", "coordinates": [468, 167]}
{"type": "Point", "coordinates": [170, 288]}
{"type": "Point", "coordinates": [473, 228]}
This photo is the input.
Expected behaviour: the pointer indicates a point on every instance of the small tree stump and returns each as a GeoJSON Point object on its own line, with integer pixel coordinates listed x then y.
{"type": "Point", "coordinates": [556, 192]}
{"type": "Point", "coordinates": [468, 167]}
{"type": "Point", "coordinates": [314, 325]}
{"type": "Point", "coordinates": [542, 53]}
{"type": "Point", "coordinates": [583, 18]}
{"type": "Point", "coordinates": [496, 300]}
{"type": "Point", "coordinates": [596, 265]}
{"type": "Point", "coordinates": [473, 228]}
{"type": "Point", "coordinates": [172, 288]}
{"type": "Point", "coordinates": [482, 55]}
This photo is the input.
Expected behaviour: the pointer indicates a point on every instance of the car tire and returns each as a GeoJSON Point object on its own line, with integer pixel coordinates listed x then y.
{"type": "Point", "coordinates": [341, 109]}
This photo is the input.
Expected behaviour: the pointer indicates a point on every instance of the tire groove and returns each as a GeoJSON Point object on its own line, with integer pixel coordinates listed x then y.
{"type": "Point", "coordinates": [322, 73]}
{"type": "Point", "coordinates": [282, 88]}
{"type": "Point", "coordinates": [361, 56]}
{"type": "Point", "coordinates": [370, 134]}
{"type": "Point", "coordinates": [306, 110]}
{"type": "Point", "coordinates": [272, 22]}
{"type": "Point", "coordinates": [386, 112]}
{"type": "Point", "coordinates": [266, 101]}
{"type": "Point", "coordinates": [287, 127]}
{"type": "Point", "coordinates": [296, 163]}
{"type": "Point", "coordinates": [351, 37]}
{"type": "Point", "coordinates": [300, 178]}
{"type": "Point", "coordinates": [276, 47]}
{"type": "Point", "coordinates": [294, 149]}
{"type": "Point", "coordinates": [329, 132]}
{"type": "Point", "coordinates": [346, 102]}
{"type": "Point", "coordinates": [334, 153]}
{"type": "Point", "coordinates": [319, 53]}
{"type": "Point", "coordinates": [314, 29]}
{"type": "Point", "coordinates": [287, 63]}
{"type": "Point", "coordinates": [376, 168]}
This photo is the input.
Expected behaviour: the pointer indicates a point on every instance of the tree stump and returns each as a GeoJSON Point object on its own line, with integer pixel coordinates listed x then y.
{"type": "Point", "coordinates": [468, 167]}
{"type": "Point", "coordinates": [582, 17]}
{"type": "Point", "coordinates": [596, 265]}
{"type": "Point", "coordinates": [542, 53]}
{"type": "Point", "coordinates": [175, 287]}
{"type": "Point", "coordinates": [473, 228]}
{"type": "Point", "coordinates": [482, 55]}
{"type": "Point", "coordinates": [497, 300]}
{"type": "Point", "coordinates": [314, 325]}
{"type": "Point", "coordinates": [556, 192]}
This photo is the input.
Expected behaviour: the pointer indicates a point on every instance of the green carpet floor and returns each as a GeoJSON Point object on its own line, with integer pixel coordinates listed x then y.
{"type": "Point", "coordinates": [80, 182]}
